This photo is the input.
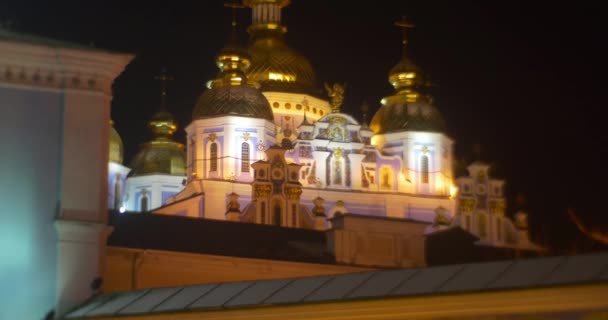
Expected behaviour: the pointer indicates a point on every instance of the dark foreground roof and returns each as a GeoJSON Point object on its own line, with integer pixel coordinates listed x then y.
{"type": "Point", "coordinates": [463, 278]}
{"type": "Point", "coordinates": [205, 236]}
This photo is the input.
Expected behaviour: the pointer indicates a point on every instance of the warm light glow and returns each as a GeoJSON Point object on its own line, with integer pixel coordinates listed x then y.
{"type": "Point", "coordinates": [439, 184]}
{"type": "Point", "coordinates": [409, 75]}
{"type": "Point", "coordinates": [453, 191]}
{"type": "Point", "coordinates": [281, 77]}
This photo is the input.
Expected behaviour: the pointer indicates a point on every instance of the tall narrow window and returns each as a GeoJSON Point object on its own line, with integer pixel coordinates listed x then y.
{"type": "Point", "coordinates": [481, 226]}
{"type": "Point", "coordinates": [117, 192]}
{"type": "Point", "coordinates": [263, 213]}
{"type": "Point", "coordinates": [294, 216]}
{"type": "Point", "coordinates": [213, 161]}
{"type": "Point", "coordinates": [245, 157]}
{"type": "Point", "coordinates": [499, 229]}
{"type": "Point", "coordinates": [424, 168]}
{"type": "Point", "coordinates": [143, 203]}
{"type": "Point", "coordinates": [277, 214]}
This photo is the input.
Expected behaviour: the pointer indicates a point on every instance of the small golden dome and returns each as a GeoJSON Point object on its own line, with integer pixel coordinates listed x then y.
{"type": "Point", "coordinates": [116, 146]}
{"type": "Point", "coordinates": [159, 157]}
{"type": "Point", "coordinates": [398, 114]}
{"type": "Point", "coordinates": [407, 109]}
{"type": "Point", "coordinates": [163, 124]}
{"type": "Point", "coordinates": [162, 155]}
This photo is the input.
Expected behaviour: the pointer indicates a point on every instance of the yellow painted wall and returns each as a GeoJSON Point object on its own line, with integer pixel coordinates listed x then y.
{"type": "Point", "coordinates": [136, 268]}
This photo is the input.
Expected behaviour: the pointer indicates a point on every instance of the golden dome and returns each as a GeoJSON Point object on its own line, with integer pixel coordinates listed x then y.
{"type": "Point", "coordinates": [274, 65]}
{"type": "Point", "coordinates": [161, 155]}
{"type": "Point", "coordinates": [241, 100]}
{"type": "Point", "coordinates": [407, 109]}
{"type": "Point", "coordinates": [398, 114]}
{"type": "Point", "coordinates": [277, 67]}
{"type": "Point", "coordinates": [116, 147]}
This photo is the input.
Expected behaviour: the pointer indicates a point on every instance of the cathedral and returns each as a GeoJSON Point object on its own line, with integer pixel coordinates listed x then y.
{"type": "Point", "coordinates": [278, 205]}
{"type": "Point", "coordinates": [266, 146]}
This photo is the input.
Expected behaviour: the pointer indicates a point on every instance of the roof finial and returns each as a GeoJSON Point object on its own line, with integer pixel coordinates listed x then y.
{"type": "Point", "coordinates": [364, 111]}
{"type": "Point", "coordinates": [234, 5]}
{"type": "Point", "coordinates": [163, 78]}
{"type": "Point", "coordinates": [404, 24]}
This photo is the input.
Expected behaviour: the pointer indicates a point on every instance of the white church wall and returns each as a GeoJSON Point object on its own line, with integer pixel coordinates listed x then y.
{"type": "Point", "coordinates": [155, 188]}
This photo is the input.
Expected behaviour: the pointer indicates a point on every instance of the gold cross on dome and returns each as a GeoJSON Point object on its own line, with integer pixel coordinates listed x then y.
{"type": "Point", "coordinates": [163, 78]}
{"type": "Point", "coordinates": [404, 24]}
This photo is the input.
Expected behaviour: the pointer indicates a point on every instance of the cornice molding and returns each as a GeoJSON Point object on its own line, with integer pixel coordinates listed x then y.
{"type": "Point", "coordinates": [60, 68]}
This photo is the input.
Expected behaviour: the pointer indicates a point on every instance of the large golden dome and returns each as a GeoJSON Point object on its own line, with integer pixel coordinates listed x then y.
{"type": "Point", "coordinates": [116, 146]}
{"type": "Point", "coordinates": [274, 65]}
{"type": "Point", "coordinates": [277, 67]}
{"type": "Point", "coordinates": [161, 155]}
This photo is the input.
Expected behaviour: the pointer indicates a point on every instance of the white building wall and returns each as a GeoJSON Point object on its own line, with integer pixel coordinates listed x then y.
{"type": "Point", "coordinates": [55, 124]}
{"type": "Point", "coordinates": [289, 108]}
{"type": "Point", "coordinates": [156, 187]}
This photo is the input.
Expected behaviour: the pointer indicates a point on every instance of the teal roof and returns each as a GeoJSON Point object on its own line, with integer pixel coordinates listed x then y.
{"type": "Point", "coordinates": [460, 278]}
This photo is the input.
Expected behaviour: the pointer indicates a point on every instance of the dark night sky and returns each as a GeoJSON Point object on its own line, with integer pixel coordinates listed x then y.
{"type": "Point", "coordinates": [523, 80]}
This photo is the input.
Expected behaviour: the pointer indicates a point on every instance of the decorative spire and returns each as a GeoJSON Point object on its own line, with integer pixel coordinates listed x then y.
{"type": "Point", "coordinates": [266, 16]}
{"type": "Point", "coordinates": [163, 124]}
{"type": "Point", "coordinates": [305, 121]}
{"type": "Point", "coordinates": [405, 75]}
{"type": "Point", "coordinates": [234, 5]}
{"type": "Point", "coordinates": [163, 78]}
{"type": "Point", "coordinates": [404, 24]}
{"type": "Point", "coordinates": [233, 60]}
{"type": "Point", "coordinates": [364, 111]}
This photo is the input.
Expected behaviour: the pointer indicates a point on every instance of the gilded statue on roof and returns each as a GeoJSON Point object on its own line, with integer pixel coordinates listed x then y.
{"type": "Point", "coordinates": [336, 94]}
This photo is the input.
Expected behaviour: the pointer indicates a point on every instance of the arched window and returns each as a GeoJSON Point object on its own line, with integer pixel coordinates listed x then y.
{"type": "Point", "coordinates": [143, 203]}
{"type": "Point", "coordinates": [213, 161]}
{"type": "Point", "coordinates": [245, 157]}
{"type": "Point", "coordinates": [424, 168]}
{"type": "Point", "coordinates": [263, 213]}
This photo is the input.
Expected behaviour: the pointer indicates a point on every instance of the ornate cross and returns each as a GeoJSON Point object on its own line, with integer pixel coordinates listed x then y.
{"type": "Point", "coordinates": [404, 24]}
{"type": "Point", "coordinates": [163, 78]}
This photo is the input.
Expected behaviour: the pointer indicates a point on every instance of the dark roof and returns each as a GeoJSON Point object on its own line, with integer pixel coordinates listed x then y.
{"type": "Point", "coordinates": [463, 278]}
{"type": "Point", "coordinates": [206, 236]}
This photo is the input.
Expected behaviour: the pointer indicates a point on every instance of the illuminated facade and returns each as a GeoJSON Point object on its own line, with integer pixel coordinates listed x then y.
{"type": "Point", "coordinates": [402, 162]}
{"type": "Point", "coordinates": [481, 211]}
